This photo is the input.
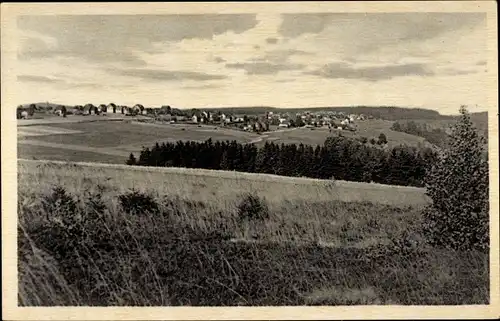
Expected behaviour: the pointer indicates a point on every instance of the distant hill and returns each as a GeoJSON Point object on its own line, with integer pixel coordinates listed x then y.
{"type": "Point", "coordinates": [382, 112]}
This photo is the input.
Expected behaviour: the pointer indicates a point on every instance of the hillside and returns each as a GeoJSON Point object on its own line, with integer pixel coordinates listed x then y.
{"type": "Point", "coordinates": [248, 240]}
{"type": "Point", "coordinates": [382, 112]}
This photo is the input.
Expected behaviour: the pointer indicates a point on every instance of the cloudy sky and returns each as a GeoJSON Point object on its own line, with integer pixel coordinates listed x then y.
{"type": "Point", "coordinates": [430, 60]}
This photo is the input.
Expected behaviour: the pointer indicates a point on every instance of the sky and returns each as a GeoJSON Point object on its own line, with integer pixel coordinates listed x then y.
{"type": "Point", "coordinates": [427, 60]}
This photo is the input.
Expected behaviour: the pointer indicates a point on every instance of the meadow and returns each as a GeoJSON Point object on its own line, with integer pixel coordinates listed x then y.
{"type": "Point", "coordinates": [96, 234]}
{"type": "Point", "coordinates": [112, 139]}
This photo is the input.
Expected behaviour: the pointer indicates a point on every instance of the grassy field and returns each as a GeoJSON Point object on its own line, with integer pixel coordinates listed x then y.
{"type": "Point", "coordinates": [80, 138]}
{"type": "Point", "coordinates": [247, 239]}
{"type": "Point", "coordinates": [35, 151]}
{"type": "Point", "coordinates": [369, 129]}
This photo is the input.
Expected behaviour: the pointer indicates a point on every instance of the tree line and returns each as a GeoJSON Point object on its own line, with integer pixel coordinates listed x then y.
{"type": "Point", "coordinates": [434, 136]}
{"type": "Point", "coordinates": [338, 158]}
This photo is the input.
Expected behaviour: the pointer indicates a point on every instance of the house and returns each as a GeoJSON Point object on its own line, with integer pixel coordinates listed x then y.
{"type": "Point", "coordinates": [58, 110]}
{"type": "Point", "coordinates": [126, 110]}
{"type": "Point", "coordinates": [194, 119]}
{"type": "Point", "coordinates": [88, 109]}
{"type": "Point", "coordinates": [137, 109]}
{"type": "Point", "coordinates": [111, 108]}
{"type": "Point", "coordinates": [283, 125]}
{"type": "Point", "coordinates": [102, 109]}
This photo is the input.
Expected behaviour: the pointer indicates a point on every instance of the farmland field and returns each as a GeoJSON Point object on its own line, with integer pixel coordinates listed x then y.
{"type": "Point", "coordinates": [309, 242]}
{"type": "Point", "coordinates": [368, 128]}
{"type": "Point", "coordinates": [116, 138]}
{"type": "Point", "coordinates": [94, 135]}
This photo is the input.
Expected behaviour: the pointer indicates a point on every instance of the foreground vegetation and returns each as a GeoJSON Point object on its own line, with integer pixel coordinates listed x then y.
{"type": "Point", "coordinates": [87, 237]}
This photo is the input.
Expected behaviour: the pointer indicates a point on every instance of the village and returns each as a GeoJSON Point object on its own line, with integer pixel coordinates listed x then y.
{"type": "Point", "coordinates": [263, 122]}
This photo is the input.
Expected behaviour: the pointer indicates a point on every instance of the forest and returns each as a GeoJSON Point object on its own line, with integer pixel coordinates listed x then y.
{"type": "Point", "coordinates": [339, 158]}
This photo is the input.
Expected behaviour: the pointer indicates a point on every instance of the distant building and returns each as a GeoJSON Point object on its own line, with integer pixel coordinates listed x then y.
{"type": "Point", "coordinates": [283, 125]}
{"type": "Point", "coordinates": [102, 109]}
{"type": "Point", "coordinates": [194, 119]}
{"type": "Point", "coordinates": [126, 110]}
{"type": "Point", "coordinates": [111, 108]}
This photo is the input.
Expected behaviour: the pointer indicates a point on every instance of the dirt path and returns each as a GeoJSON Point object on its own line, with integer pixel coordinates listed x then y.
{"type": "Point", "coordinates": [266, 136]}
{"type": "Point", "coordinates": [105, 151]}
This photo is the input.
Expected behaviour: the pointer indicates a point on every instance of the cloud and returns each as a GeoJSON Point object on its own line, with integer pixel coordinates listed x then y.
{"type": "Point", "coordinates": [395, 26]}
{"type": "Point", "coordinates": [264, 68]}
{"type": "Point", "coordinates": [280, 55]}
{"type": "Point", "coordinates": [219, 60]}
{"type": "Point", "coordinates": [59, 83]}
{"type": "Point", "coordinates": [110, 38]}
{"type": "Point", "coordinates": [346, 71]}
{"type": "Point", "coordinates": [38, 79]}
{"type": "Point", "coordinates": [293, 25]}
{"type": "Point", "coordinates": [166, 75]}
{"type": "Point", "coordinates": [272, 40]}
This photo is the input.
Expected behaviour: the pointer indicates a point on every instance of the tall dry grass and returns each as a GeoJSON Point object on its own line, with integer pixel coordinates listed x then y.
{"type": "Point", "coordinates": [195, 246]}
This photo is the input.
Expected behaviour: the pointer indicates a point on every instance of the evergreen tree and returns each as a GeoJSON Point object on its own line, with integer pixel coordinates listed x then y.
{"type": "Point", "coordinates": [131, 160]}
{"type": "Point", "coordinates": [225, 163]}
{"type": "Point", "coordinates": [458, 186]}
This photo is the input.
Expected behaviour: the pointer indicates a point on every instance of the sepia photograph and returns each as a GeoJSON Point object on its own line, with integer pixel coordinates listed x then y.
{"type": "Point", "coordinates": [250, 155]}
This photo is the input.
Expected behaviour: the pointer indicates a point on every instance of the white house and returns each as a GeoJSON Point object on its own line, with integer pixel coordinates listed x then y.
{"type": "Point", "coordinates": [283, 125]}
{"type": "Point", "coordinates": [111, 109]}
{"type": "Point", "coordinates": [195, 119]}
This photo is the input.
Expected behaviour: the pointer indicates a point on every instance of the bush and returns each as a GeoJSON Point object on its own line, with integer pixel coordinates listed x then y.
{"type": "Point", "coordinates": [458, 186]}
{"type": "Point", "coordinates": [382, 139]}
{"type": "Point", "coordinates": [136, 202]}
{"type": "Point", "coordinates": [252, 207]}
{"type": "Point", "coordinates": [60, 207]}
{"type": "Point", "coordinates": [94, 206]}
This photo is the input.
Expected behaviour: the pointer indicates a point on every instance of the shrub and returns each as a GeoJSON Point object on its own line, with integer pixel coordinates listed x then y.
{"type": "Point", "coordinates": [382, 139]}
{"type": "Point", "coordinates": [136, 202]}
{"type": "Point", "coordinates": [458, 186]}
{"type": "Point", "coordinates": [252, 207]}
{"type": "Point", "coordinates": [60, 207]}
{"type": "Point", "coordinates": [94, 205]}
